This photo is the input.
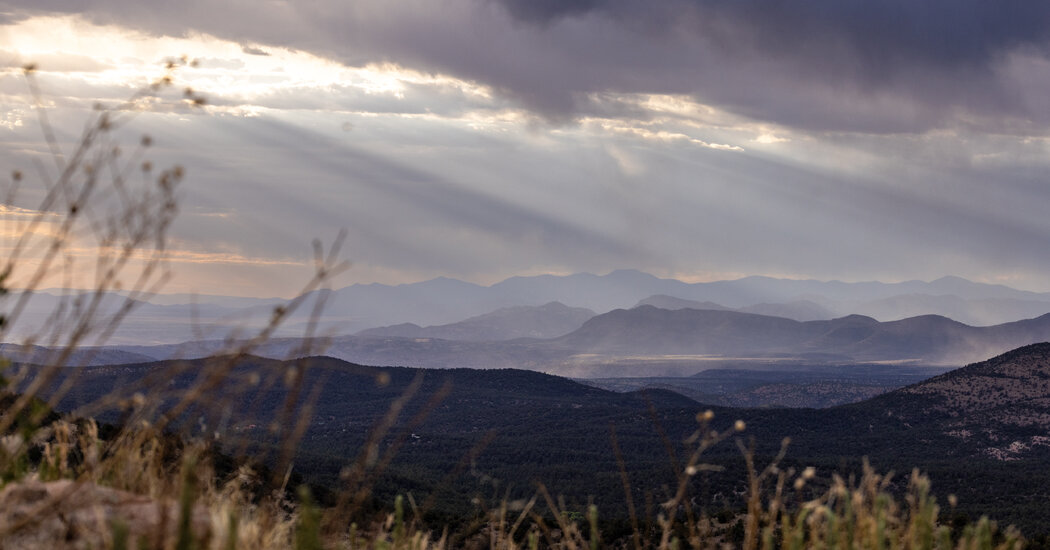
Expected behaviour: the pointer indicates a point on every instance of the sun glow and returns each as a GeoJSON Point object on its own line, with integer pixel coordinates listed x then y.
{"type": "Point", "coordinates": [236, 78]}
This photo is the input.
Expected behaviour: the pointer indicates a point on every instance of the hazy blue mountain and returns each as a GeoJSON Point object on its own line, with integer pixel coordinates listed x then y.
{"type": "Point", "coordinates": [651, 331]}
{"type": "Point", "coordinates": [811, 307]}
{"type": "Point", "coordinates": [234, 302]}
{"type": "Point", "coordinates": [443, 301]}
{"type": "Point", "coordinates": [402, 330]}
{"type": "Point", "coordinates": [980, 311]}
{"type": "Point", "coordinates": [437, 301]}
{"type": "Point", "coordinates": [928, 339]}
{"type": "Point", "coordinates": [143, 323]}
{"type": "Point", "coordinates": [78, 357]}
{"type": "Point", "coordinates": [799, 310]}
{"type": "Point", "coordinates": [664, 301]}
{"type": "Point", "coordinates": [601, 293]}
{"type": "Point", "coordinates": [547, 321]}
{"type": "Point", "coordinates": [648, 341]}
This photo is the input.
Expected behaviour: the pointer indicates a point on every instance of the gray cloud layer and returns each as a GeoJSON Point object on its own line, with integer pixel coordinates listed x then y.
{"type": "Point", "coordinates": [887, 66]}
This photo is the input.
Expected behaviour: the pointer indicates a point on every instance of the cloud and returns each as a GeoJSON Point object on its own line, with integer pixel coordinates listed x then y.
{"type": "Point", "coordinates": [828, 65]}
{"type": "Point", "coordinates": [53, 62]}
{"type": "Point", "coordinates": [219, 63]}
{"type": "Point", "coordinates": [545, 11]}
{"type": "Point", "coordinates": [251, 50]}
{"type": "Point", "coordinates": [663, 135]}
{"type": "Point", "coordinates": [197, 257]}
{"type": "Point", "coordinates": [892, 66]}
{"type": "Point", "coordinates": [877, 36]}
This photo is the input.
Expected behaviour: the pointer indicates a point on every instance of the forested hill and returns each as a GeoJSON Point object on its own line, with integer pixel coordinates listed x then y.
{"type": "Point", "coordinates": [999, 408]}
{"type": "Point", "coordinates": [461, 434]}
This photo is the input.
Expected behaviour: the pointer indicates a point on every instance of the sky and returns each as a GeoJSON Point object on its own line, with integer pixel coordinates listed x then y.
{"type": "Point", "coordinates": [482, 139]}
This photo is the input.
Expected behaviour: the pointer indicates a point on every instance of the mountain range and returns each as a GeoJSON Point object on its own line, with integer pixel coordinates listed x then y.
{"type": "Point", "coordinates": [508, 323]}
{"type": "Point", "coordinates": [798, 310]}
{"type": "Point", "coordinates": [173, 318]}
{"type": "Point", "coordinates": [928, 339]}
{"type": "Point", "coordinates": [649, 341]}
{"type": "Point", "coordinates": [443, 300]}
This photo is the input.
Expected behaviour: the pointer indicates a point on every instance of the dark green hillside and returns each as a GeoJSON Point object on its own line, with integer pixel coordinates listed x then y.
{"type": "Point", "coordinates": [466, 434]}
{"type": "Point", "coordinates": [999, 408]}
{"type": "Point", "coordinates": [780, 384]}
{"type": "Point", "coordinates": [462, 433]}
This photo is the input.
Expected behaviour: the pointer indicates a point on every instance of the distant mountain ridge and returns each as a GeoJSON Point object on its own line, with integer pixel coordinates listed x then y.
{"type": "Point", "coordinates": [979, 311]}
{"type": "Point", "coordinates": [444, 301]}
{"type": "Point", "coordinates": [799, 310]}
{"type": "Point", "coordinates": [648, 341]}
{"type": "Point", "coordinates": [930, 338]}
{"type": "Point", "coordinates": [167, 319]}
{"type": "Point", "coordinates": [624, 288]}
{"type": "Point", "coordinates": [85, 356]}
{"type": "Point", "coordinates": [664, 301]}
{"type": "Point", "coordinates": [547, 321]}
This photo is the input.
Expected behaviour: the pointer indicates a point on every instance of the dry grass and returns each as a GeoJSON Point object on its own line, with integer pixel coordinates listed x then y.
{"type": "Point", "coordinates": [206, 512]}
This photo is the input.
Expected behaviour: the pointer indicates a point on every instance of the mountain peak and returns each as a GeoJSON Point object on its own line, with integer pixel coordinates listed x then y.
{"type": "Point", "coordinates": [856, 318]}
{"type": "Point", "coordinates": [951, 279]}
{"type": "Point", "coordinates": [632, 275]}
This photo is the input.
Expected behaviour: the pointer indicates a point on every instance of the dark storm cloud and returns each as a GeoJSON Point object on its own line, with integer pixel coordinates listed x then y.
{"type": "Point", "coordinates": [932, 56]}
{"type": "Point", "coordinates": [887, 66]}
{"type": "Point", "coordinates": [545, 11]}
{"type": "Point", "coordinates": [938, 33]}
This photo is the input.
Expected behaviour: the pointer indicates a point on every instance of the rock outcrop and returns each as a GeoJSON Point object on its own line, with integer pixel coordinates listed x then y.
{"type": "Point", "coordinates": [71, 515]}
